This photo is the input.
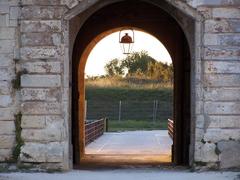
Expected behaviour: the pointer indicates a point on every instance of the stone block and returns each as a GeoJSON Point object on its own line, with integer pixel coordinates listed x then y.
{"type": "Point", "coordinates": [70, 3]}
{"type": "Point", "coordinates": [5, 154]}
{"type": "Point", "coordinates": [199, 134]}
{"type": "Point", "coordinates": [7, 128]}
{"type": "Point", "coordinates": [41, 2]}
{"type": "Point", "coordinates": [4, 20]}
{"type": "Point", "coordinates": [40, 94]}
{"type": "Point", "coordinates": [215, 2]}
{"type": "Point", "coordinates": [14, 12]}
{"type": "Point", "coordinates": [6, 74]}
{"type": "Point", "coordinates": [55, 152]}
{"type": "Point", "coordinates": [200, 121]}
{"type": "Point", "coordinates": [45, 52]}
{"type": "Point", "coordinates": [222, 80]}
{"type": "Point", "coordinates": [41, 39]}
{"type": "Point", "coordinates": [7, 142]}
{"type": "Point", "coordinates": [7, 46]}
{"type": "Point", "coordinates": [222, 25]}
{"type": "Point", "coordinates": [4, 9]}
{"type": "Point", "coordinates": [205, 11]}
{"type": "Point", "coordinates": [5, 88]}
{"type": "Point", "coordinates": [13, 23]}
{"type": "Point", "coordinates": [40, 80]}
{"type": "Point", "coordinates": [33, 122]}
{"type": "Point", "coordinates": [9, 2]}
{"type": "Point", "coordinates": [199, 107]}
{"type": "Point", "coordinates": [42, 135]}
{"type": "Point", "coordinates": [223, 108]}
{"type": "Point", "coordinates": [42, 12]}
{"type": "Point", "coordinates": [226, 12]}
{"type": "Point", "coordinates": [6, 60]}
{"type": "Point", "coordinates": [217, 135]}
{"type": "Point", "coordinates": [221, 40]}
{"type": "Point", "coordinates": [222, 94]}
{"type": "Point", "coordinates": [51, 133]}
{"type": "Point", "coordinates": [222, 53]}
{"type": "Point", "coordinates": [5, 101]}
{"type": "Point", "coordinates": [41, 108]}
{"type": "Point", "coordinates": [42, 67]}
{"type": "Point", "coordinates": [41, 26]}
{"type": "Point", "coordinates": [6, 114]}
{"type": "Point", "coordinates": [205, 152]}
{"type": "Point", "coordinates": [224, 122]}
{"type": "Point", "coordinates": [7, 33]}
{"type": "Point", "coordinates": [235, 25]}
{"type": "Point", "coordinates": [224, 67]}
{"type": "Point", "coordinates": [229, 154]}
{"type": "Point", "coordinates": [35, 152]}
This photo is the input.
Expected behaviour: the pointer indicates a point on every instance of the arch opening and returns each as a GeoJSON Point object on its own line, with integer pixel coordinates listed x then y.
{"type": "Point", "coordinates": [161, 25]}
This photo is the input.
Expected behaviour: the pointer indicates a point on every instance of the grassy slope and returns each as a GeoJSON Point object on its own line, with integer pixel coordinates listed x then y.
{"type": "Point", "coordinates": [117, 94]}
{"type": "Point", "coordinates": [103, 93]}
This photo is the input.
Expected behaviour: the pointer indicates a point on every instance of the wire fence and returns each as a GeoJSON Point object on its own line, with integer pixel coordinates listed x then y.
{"type": "Point", "coordinates": [155, 110]}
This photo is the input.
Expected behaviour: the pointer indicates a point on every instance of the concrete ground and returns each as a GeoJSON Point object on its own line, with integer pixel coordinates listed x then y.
{"type": "Point", "coordinates": [133, 142]}
{"type": "Point", "coordinates": [124, 174]}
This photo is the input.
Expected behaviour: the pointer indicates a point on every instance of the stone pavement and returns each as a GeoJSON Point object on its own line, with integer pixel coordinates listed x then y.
{"type": "Point", "coordinates": [133, 142]}
{"type": "Point", "coordinates": [124, 174]}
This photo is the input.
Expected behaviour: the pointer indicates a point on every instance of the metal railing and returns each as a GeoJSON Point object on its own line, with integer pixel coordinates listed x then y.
{"type": "Point", "coordinates": [170, 128]}
{"type": "Point", "coordinates": [155, 110]}
{"type": "Point", "coordinates": [94, 129]}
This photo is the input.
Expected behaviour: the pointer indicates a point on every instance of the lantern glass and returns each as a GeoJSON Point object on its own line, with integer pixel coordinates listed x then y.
{"type": "Point", "coordinates": [126, 48]}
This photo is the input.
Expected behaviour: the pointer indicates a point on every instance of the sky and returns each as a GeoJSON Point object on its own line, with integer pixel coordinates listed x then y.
{"type": "Point", "coordinates": [109, 48]}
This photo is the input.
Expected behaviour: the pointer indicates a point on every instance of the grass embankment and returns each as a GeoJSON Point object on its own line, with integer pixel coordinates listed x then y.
{"type": "Point", "coordinates": [137, 96]}
{"type": "Point", "coordinates": [133, 125]}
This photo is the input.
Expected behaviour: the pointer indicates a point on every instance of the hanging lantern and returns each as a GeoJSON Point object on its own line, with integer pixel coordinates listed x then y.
{"type": "Point", "coordinates": [126, 41]}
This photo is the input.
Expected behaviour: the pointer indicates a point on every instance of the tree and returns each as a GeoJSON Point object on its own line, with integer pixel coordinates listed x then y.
{"type": "Point", "coordinates": [137, 62]}
{"type": "Point", "coordinates": [140, 65]}
{"type": "Point", "coordinates": [113, 68]}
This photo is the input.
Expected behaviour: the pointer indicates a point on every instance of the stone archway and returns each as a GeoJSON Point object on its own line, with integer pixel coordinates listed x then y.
{"type": "Point", "coordinates": [90, 29]}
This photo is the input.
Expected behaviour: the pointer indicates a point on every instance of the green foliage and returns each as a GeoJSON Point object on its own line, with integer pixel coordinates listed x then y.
{"type": "Point", "coordinates": [19, 140]}
{"type": "Point", "coordinates": [113, 68]}
{"type": "Point", "coordinates": [137, 62]}
{"type": "Point", "coordinates": [140, 65]}
{"type": "Point", "coordinates": [117, 93]}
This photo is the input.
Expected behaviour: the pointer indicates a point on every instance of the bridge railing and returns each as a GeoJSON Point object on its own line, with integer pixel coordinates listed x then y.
{"type": "Point", "coordinates": [94, 129]}
{"type": "Point", "coordinates": [171, 128]}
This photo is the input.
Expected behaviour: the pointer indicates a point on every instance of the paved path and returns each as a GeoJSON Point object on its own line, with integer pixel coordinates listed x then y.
{"type": "Point", "coordinates": [124, 174]}
{"type": "Point", "coordinates": [133, 142]}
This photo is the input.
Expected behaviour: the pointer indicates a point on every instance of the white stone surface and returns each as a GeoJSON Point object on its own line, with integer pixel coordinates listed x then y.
{"type": "Point", "coordinates": [133, 142]}
{"type": "Point", "coordinates": [40, 80]}
{"type": "Point", "coordinates": [7, 127]}
{"type": "Point", "coordinates": [37, 152]}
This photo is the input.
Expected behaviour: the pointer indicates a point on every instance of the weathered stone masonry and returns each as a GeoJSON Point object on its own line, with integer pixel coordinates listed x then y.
{"type": "Point", "coordinates": [34, 43]}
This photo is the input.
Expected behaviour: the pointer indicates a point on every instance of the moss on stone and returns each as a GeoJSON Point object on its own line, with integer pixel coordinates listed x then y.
{"type": "Point", "coordinates": [19, 140]}
{"type": "Point", "coordinates": [16, 83]}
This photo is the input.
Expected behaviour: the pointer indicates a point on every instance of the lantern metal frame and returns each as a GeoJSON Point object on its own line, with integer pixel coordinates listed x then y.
{"type": "Point", "coordinates": [127, 46]}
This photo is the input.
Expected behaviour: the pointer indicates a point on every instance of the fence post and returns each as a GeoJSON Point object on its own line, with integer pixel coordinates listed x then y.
{"type": "Point", "coordinates": [156, 107]}
{"type": "Point", "coordinates": [153, 110]}
{"type": "Point", "coordinates": [105, 124]}
{"type": "Point", "coordinates": [85, 110]}
{"type": "Point", "coordinates": [119, 110]}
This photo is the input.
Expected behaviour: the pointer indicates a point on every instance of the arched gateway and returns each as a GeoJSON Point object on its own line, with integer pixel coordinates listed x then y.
{"type": "Point", "coordinates": [157, 22]}
{"type": "Point", "coordinates": [44, 47]}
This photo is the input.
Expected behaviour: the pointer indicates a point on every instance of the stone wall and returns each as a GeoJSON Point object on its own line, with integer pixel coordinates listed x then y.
{"type": "Point", "coordinates": [9, 47]}
{"type": "Point", "coordinates": [34, 44]}
{"type": "Point", "coordinates": [218, 121]}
